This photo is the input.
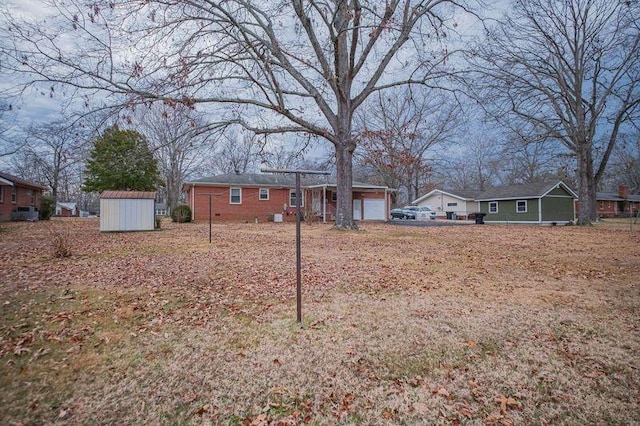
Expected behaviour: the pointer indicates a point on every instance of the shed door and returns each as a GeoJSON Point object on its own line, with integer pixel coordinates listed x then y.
{"type": "Point", "coordinates": [375, 209]}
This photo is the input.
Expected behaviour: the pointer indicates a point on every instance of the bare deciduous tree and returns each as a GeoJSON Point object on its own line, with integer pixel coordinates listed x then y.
{"type": "Point", "coordinates": [52, 154]}
{"type": "Point", "coordinates": [282, 157]}
{"type": "Point", "coordinates": [397, 132]}
{"type": "Point", "coordinates": [179, 143]}
{"type": "Point", "coordinates": [528, 157]}
{"type": "Point", "coordinates": [625, 165]}
{"type": "Point", "coordinates": [477, 168]}
{"type": "Point", "coordinates": [571, 68]}
{"type": "Point", "coordinates": [286, 66]}
{"type": "Point", "coordinates": [10, 143]}
{"type": "Point", "coordinates": [239, 151]}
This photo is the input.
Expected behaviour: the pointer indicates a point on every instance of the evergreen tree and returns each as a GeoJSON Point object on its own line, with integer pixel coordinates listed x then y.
{"type": "Point", "coordinates": [121, 160]}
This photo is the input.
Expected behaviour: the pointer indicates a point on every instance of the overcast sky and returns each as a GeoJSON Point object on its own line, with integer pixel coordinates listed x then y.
{"type": "Point", "coordinates": [38, 106]}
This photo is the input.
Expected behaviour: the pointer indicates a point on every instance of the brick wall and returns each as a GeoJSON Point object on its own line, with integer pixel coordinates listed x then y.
{"type": "Point", "coordinates": [23, 199]}
{"type": "Point", "coordinates": [606, 208]}
{"type": "Point", "coordinates": [249, 209]}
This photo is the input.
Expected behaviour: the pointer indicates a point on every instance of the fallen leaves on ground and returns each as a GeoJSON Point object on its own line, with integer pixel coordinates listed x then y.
{"type": "Point", "coordinates": [493, 324]}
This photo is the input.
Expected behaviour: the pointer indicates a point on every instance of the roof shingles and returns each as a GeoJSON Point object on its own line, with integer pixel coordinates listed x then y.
{"type": "Point", "coordinates": [529, 190]}
{"type": "Point", "coordinates": [21, 182]}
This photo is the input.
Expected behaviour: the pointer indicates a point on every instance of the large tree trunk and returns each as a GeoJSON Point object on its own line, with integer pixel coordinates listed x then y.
{"type": "Point", "coordinates": [344, 167]}
{"type": "Point", "coordinates": [586, 186]}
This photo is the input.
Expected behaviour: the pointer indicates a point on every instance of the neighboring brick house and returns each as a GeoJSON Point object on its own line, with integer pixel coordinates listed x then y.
{"type": "Point", "coordinates": [611, 204]}
{"type": "Point", "coordinates": [268, 197]}
{"type": "Point", "coordinates": [19, 199]}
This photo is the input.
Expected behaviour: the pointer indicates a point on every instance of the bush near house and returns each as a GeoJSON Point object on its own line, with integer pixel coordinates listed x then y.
{"type": "Point", "coordinates": [47, 207]}
{"type": "Point", "coordinates": [181, 214]}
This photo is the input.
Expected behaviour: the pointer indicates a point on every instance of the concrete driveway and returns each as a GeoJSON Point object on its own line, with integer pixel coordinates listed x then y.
{"type": "Point", "coordinates": [436, 222]}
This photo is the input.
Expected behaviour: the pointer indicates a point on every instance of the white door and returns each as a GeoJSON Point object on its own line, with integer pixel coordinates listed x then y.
{"type": "Point", "coordinates": [375, 209]}
{"type": "Point", "coordinates": [357, 209]}
{"type": "Point", "coordinates": [316, 202]}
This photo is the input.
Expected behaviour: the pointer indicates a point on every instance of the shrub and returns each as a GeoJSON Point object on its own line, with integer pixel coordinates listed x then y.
{"type": "Point", "coordinates": [181, 214]}
{"type": "Point", "coordinates": [60, 243]}
{"type": "Point", "coordinates": [158, 222]}
{"type": "Point", "coordinates": [308, 216]}
{"type": "Point", "coordinates": [47, 207]}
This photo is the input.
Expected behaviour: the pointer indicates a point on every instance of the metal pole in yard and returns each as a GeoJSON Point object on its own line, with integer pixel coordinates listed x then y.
{"type": "Point", "coordinates": [298, 252]}
{"type": "Point", "coordinates": [298, 240]}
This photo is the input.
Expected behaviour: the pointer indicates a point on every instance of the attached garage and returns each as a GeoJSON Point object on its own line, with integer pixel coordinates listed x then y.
{"type": "Point", "coordinates": [122, 211]}
{"type": "Point", "coordinates": [375, 209]}
{"type": "Point", "coordinates": [370, 202]}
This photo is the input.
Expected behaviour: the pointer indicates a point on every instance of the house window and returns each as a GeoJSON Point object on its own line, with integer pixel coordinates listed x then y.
{"type": "Point", "coordinates": [452, 204]}
{"type": "Point", "coordinates": [334, 196]}
{"type": "Point", "coordinates": [14, 194]}
{"type": "Point", "coordinates": [264, 194]}
{"type": "Point", "coordinates": [493, 207]}
{"type": "Point", "coordinates": [1, 194]}
{"type": "Point", "coordinates": [235, 196]}
{"type": "Point", "coordinates": [521, 206]}
{"type": "Point", "coordinates": [31, 194]}
{"type": "Point", "coordinates": [292, 199]}
{"type": "Point", "coordinates": [601, 205]}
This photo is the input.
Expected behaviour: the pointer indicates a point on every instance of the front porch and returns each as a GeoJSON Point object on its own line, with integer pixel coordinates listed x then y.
{"type": "Point", "coordinates": [369, 202]}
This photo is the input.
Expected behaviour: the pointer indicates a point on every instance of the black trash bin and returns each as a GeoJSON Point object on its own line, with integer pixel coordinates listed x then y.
{"type": "Point", "coordinates": [480, 218]}
{"type": "Point", "coordinates": [449, 215]}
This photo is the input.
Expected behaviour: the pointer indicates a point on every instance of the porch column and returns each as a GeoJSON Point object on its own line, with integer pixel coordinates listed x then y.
{"type": "Point", "coordinates": [324, 204]}
{"type": "Point", "coordinates": [386, 205]}
{"type": "Point", "coordinates": [193, 203]}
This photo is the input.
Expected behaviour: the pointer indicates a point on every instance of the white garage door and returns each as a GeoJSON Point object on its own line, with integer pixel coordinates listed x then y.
{"type": "Point", "coordinates": [375, 209]}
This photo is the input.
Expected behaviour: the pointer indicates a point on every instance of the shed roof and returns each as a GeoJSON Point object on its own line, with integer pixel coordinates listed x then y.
{"type": "Point", "coordinates": [529, 190]}
{"type": "Point", "coordinates": [128, 195]}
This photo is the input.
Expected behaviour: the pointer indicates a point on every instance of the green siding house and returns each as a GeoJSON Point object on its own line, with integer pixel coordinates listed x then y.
{"type": "Point", "coordinates": [541, 203]}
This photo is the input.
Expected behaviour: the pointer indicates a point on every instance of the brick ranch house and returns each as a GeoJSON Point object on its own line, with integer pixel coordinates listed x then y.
{"type": "Point", "coordinates": [269, 197]}
{"type": "Point", "coordinates": [620, 204]}
{"type": "Point", "coordinates": [19, 199]}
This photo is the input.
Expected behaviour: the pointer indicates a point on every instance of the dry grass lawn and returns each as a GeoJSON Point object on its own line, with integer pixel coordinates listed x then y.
{"type": "Point", "coordinates": [463, 325]}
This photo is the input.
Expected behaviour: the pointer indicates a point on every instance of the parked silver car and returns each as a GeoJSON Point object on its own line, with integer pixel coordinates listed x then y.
{"type": "Point", "coordinates": [424, 213]}
{"type": "Point", "coordinates": [413, 212]}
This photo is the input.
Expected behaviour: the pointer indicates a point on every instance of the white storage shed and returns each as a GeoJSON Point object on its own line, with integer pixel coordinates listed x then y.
{"type": "Point", "coordinates": [127, 211]}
